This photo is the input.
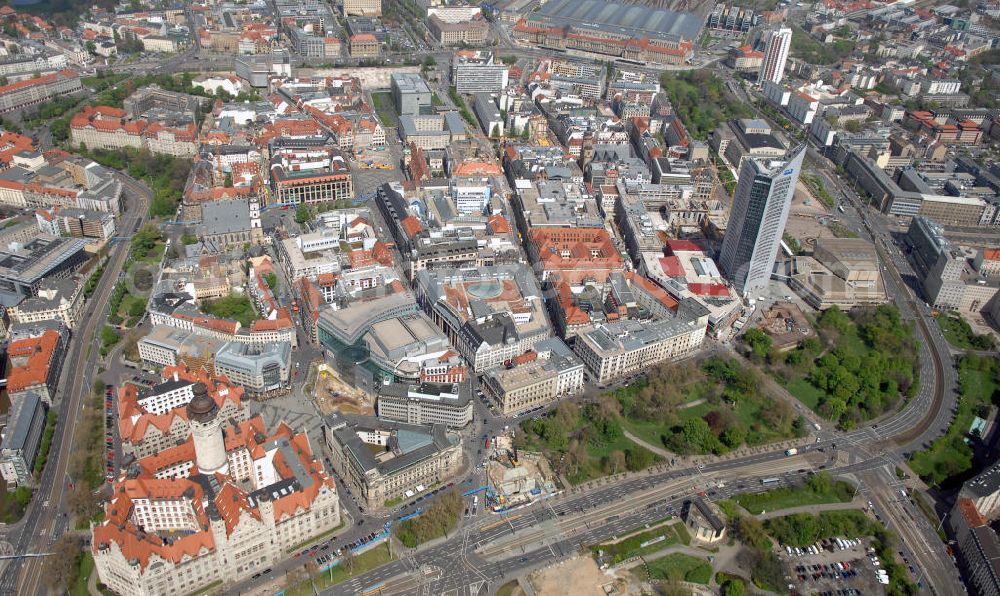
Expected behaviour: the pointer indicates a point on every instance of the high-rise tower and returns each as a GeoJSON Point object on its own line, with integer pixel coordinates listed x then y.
{"type": "Point", "coordinates": [779, 42]}
{"type": "Point", "coordinates": [757, 220]}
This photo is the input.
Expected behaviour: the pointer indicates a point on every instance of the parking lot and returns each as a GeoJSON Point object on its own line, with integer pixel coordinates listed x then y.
{"type": "Point", "coordinates": [833, 567]}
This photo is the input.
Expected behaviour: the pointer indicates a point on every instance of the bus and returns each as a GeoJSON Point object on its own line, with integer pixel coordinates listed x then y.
{"type": "Point", "coordinates": [769, 481]}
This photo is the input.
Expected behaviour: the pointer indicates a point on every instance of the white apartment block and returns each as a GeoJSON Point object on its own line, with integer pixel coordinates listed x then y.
{"type": "Point", "coordinates": [619, 350]}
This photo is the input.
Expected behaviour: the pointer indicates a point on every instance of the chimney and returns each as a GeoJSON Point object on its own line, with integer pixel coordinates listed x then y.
{"type": "Point", "coordinates": [176, 376]}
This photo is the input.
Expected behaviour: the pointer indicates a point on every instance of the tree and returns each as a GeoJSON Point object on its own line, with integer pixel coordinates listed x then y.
{"type": "Point", "coordinates": [615, 462]}
{"type": "Point", "coordinates": [271, 279]}
{"type": "Point", "coordinates": [751, 532]}
{"type": "Point", "coordinates": [82, 502]}
{"type": "Point", "coordinates": [228, 180]}
{"type": "Point", "coordinates": [136, 308]}
{"type": "Point", "coordinates": [302, 214]}
{"type": "Point", "coordinates": [852, 126]}
{"type": "Point", "coordinates": [495, 131]}
{"type": "Point", "coordinates": [189, 239]}
{"type": "Point", "coordinates": [637, 458]}
{"type": "Point", "coordinates": [757, 342]}
{"type": "Point", "coordinates": [62, 566]}
{"type": "Point", "coordinates": [733, 587]}
{"type": "Point", "coordinates": [347, 560]}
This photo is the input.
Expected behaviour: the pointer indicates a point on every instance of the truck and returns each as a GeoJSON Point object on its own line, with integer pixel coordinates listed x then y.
{"type": "Point", "coordinates": [791, 451]}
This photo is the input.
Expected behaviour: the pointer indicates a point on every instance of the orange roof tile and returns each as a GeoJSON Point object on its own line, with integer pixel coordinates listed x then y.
{"type": "Point", "coordinates": [30, 360]}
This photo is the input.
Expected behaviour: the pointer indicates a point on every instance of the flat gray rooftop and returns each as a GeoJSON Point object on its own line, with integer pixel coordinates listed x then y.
{"type": "Point", "coordinates": [601, 15]}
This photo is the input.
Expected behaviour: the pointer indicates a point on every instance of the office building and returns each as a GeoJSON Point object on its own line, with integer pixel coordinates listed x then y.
{"type": "Point", "coordinates": [263, 371]}
{"type": "Point", "coordinates": [58, 299]}
{"type": "Point", "coordinates": [776, 48]}
{"type": "Point", "coordinates": [23, 267]}
{"type": "Point", "coordinates": [490, 314]}
{"type": "Point", "coordinates": [382, 460]}
{"type": "Point", "coordinates": [410, 94]}
{"type": "Point", "coordinates": [169, 346]}
{"type": "Point", "coordinates": [535, 379]}
{"type": "Point", "coordinates": [301, 174]}
{"type": "Point", "coordinates": [367, 8]}
{"type": "Point", "coordinates": [22, 438]}
{"type": "Point", "coordinates": [426, 403]}
{"type": "Point", "coordinates": [477, 72]}
{"type": "Point", "coordinates": [760, 209]}
{"type": "Point", "coordinates": [946, 272]}
{"type": "Point", "coordinates": [364, 45]}
{"type": "Point", "coordinates": [615, 351]}
{"type": "Point", "coordinates": [76, 223]}
{"type": "Point", "coordinates": [258, 69]}
{"type": "Point", "coordinates": [450, 31]}
{"type": "Point", "coordinates": [19, 94]}
{"type": "Point", "coordinates": [972, 522]}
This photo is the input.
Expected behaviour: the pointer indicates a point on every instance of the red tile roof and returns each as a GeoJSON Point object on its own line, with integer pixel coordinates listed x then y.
{"type": "Point", "coordinates": [30, 360]}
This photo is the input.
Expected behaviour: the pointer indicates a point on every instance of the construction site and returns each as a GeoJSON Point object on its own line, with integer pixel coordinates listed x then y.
{"type": "Point", "coordinates": [786, 324]}
{"type": "Point", "coordinates": [516, 478]}
{"type": "Point", "coordinates": [333, 394]}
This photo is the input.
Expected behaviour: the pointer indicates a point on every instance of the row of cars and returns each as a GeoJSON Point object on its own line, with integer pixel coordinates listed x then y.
{"type": "Point", "coordinates": [109, 438]}
{"type": "Point", "coordinates": [426, 495]}
{"type": "Point", "coordinates": [819, 571]}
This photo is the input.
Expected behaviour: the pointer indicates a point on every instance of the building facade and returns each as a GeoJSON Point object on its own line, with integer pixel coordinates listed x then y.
{"type": "Point", "coordinates": [760, 209]}
{"type": "Point", "coordinates": [772, 68]}
{"type": "Point", "coordinates": [548, 372]}
{"type": "Point", "coordinates": [427, 403]}
{"type": "Point", "coordinates": [21, 441]}
{"type": "Point", "coordinates": [261, 370]}
{"type": "Point", "coordinates": [382, 460]}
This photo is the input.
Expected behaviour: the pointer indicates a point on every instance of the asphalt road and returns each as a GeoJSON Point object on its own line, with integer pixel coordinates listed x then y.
{"type": "Point", "coordinates": [454, 563]}
{"type": "Point", "coordinates": [44, 522]}
{"type": "Point", "coordinates": [534, 537]}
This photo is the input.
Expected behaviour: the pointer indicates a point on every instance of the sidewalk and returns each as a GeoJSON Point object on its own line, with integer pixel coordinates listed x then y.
{"type": "Point", "coordinates": [855, 504]}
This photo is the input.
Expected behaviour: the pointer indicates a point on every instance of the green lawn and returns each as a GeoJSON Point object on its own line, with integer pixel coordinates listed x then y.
{"type": "Point", "coordinates": [783, 498]}
{"type": "Point", "coordinates": [79, 587]}
{"type": "Point", "coordinates": [385, 108]}
{"type": "Point", "coordinates": [363, 563]}
{"type": "Point", "coordinates": [651, 432]}
{"type": "Point", "coordinates": [233, 306]}
{"type": "Point", "coordinates": [672, 533]}
{"type": "Point", "coordinates": [805, 392]}
{"type": "Point", "coordinates": [680, 567]}
{"type": "Point", "coordinates": [507, 589]}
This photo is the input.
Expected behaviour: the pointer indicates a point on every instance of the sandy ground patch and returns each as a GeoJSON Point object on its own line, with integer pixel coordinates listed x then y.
{"type": "Point", "coordinates": [579, 576]}
{"type": "Point", "coordinates": [332, 394]}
